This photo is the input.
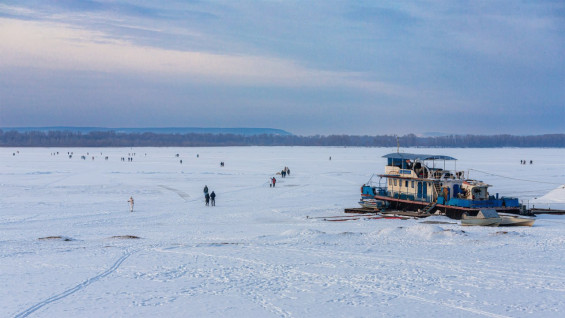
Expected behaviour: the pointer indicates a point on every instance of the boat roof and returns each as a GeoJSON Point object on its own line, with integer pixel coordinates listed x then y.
{"type": "Point", "coordinates": [414, 156]}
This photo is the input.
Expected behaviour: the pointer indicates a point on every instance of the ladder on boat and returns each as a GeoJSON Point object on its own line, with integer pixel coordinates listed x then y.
{"type": "Point", "coordinates": [429, 207]}
{"type": "Point", "coordinates": [437, 188]}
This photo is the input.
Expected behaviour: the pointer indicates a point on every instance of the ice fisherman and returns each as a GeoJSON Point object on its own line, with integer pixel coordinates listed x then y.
{"type": "Point", "coordinates": [213, 198]}
{"type": "Point", "coordinates": [205, 189]}
{"type": "Point", "coordinates": [274, 181]}
{"type": "Point", "coordinates": [130, 204]}
{"type": "Point", "coordinates": [207, 197]}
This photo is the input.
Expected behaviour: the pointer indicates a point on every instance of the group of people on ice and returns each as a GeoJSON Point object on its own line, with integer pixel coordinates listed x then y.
{"type": "Point", "coordinates": [209, 197]}
{"type": "Point", "coordinates": [283, 173]}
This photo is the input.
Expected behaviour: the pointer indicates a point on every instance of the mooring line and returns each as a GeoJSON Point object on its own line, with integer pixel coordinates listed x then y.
{"type": "Point", "coordinates": [501, 176]}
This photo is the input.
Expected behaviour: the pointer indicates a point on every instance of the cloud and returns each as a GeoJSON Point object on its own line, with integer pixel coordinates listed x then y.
{"type": "Point", "coordinates": [41, 44]}
{"type": "Point", "coordinates": [15, 11]}
{"type": "Point", "coordinates": [517, 33]}
{"type": "Point", "coordinates": [333, 63]}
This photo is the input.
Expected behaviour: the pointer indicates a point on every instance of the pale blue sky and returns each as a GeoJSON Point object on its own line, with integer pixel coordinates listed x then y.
{"type": "Point", "coordinates": [308, 67]}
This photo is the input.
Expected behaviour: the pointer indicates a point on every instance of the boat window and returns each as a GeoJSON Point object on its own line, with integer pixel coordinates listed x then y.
{"type": "Point", "coordinates": [390, 182]}
{"type": "Point", "coordinates": [412, 184]}
{"type": "Point", "coordinates": [394, 181]}
{"type": "Point", "coordinates": [406, 184]}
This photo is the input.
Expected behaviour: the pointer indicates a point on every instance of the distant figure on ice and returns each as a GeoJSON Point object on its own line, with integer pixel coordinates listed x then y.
{"type": "Point", "coordinates": [274, 181]}
{"type": "Point", "coordinates": [181, 161]}
{"type": "Point", "coordinates": [130, 204]}
{"type": "Point", "coordinates": [207, 198]}
{"type": "Point", "coordinates": [213, 198]}
{"type": "Point", "coordinates": [205, 189]}
{"type": "Point", "coordinates": [330, 158]}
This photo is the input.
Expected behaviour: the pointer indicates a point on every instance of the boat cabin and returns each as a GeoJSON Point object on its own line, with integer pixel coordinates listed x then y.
{"type": "Point", "coordinates": [423, 177]}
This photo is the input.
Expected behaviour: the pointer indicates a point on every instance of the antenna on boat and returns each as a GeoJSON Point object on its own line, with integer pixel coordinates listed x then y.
{"type": "Point", "coordinates": [397, 145]}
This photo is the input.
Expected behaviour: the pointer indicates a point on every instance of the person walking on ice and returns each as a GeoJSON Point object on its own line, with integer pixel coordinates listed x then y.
{"type": "Point", "coordinates": [206, 195]}
{"type": "Point", "coordinates": [130, 204]}
{"type": "Point", "coordinates": [213, 198]}
{"type": "Point", "coordinates": [274, 181]}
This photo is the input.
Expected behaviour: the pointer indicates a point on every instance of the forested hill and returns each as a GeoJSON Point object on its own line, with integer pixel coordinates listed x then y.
{"type": "Point", "coordinates": [156, 130]}
{"type": "Point", "coordinates": [150, 139]}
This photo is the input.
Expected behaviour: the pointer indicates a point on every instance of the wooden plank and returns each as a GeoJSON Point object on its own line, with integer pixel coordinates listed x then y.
{"type": "Point", "coordinates": [360, 210]}
{"type": "Point", "coordinates": [407, 213]}
{"type": "Point", "coordinates": [397, 212]}
{"type": "Point", "coordinates": [546, 211]}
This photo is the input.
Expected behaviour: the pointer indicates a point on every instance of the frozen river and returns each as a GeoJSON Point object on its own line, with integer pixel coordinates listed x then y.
{"type": "Point", "coordinates": [69, 247]}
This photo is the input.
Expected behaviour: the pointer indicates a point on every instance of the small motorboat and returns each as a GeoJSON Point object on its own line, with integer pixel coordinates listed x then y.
{"type": "Point", "coordinates": [485, 217]}
{"type": "Point", "coordinates": [515, 220]}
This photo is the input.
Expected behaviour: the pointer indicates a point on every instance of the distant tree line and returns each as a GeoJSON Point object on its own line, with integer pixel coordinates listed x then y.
{"type": "Point", "coordinates": [113, 139]}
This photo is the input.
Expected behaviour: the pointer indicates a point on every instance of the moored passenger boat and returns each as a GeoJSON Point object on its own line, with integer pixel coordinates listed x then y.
{"type": "Point", "coordinates": [419, 182]}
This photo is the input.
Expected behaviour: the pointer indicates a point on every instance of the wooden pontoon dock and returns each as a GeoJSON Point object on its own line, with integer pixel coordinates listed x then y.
{"type": "Point", "coordinates": [387, 212]}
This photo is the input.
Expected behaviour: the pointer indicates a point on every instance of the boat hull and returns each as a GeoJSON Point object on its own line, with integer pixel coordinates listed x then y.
{"type": "Point", "coordinates": [516, 221]}
{"type": "Point", "coordinates": [453, 212]}
{"type": "Point", "coordinates": [472, 221]}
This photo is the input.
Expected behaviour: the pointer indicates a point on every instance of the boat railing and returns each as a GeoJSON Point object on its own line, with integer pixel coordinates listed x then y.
{"type": "Point", "coordinates": [441, 174]}
{"type": "Point", "coordinates": [369, 191]}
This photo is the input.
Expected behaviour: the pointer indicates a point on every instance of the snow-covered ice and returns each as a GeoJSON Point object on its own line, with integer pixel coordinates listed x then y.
{"type": "Point", "coordinates": [554, 199]}
{"type": "Point", "coordinates": [69, 247]}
